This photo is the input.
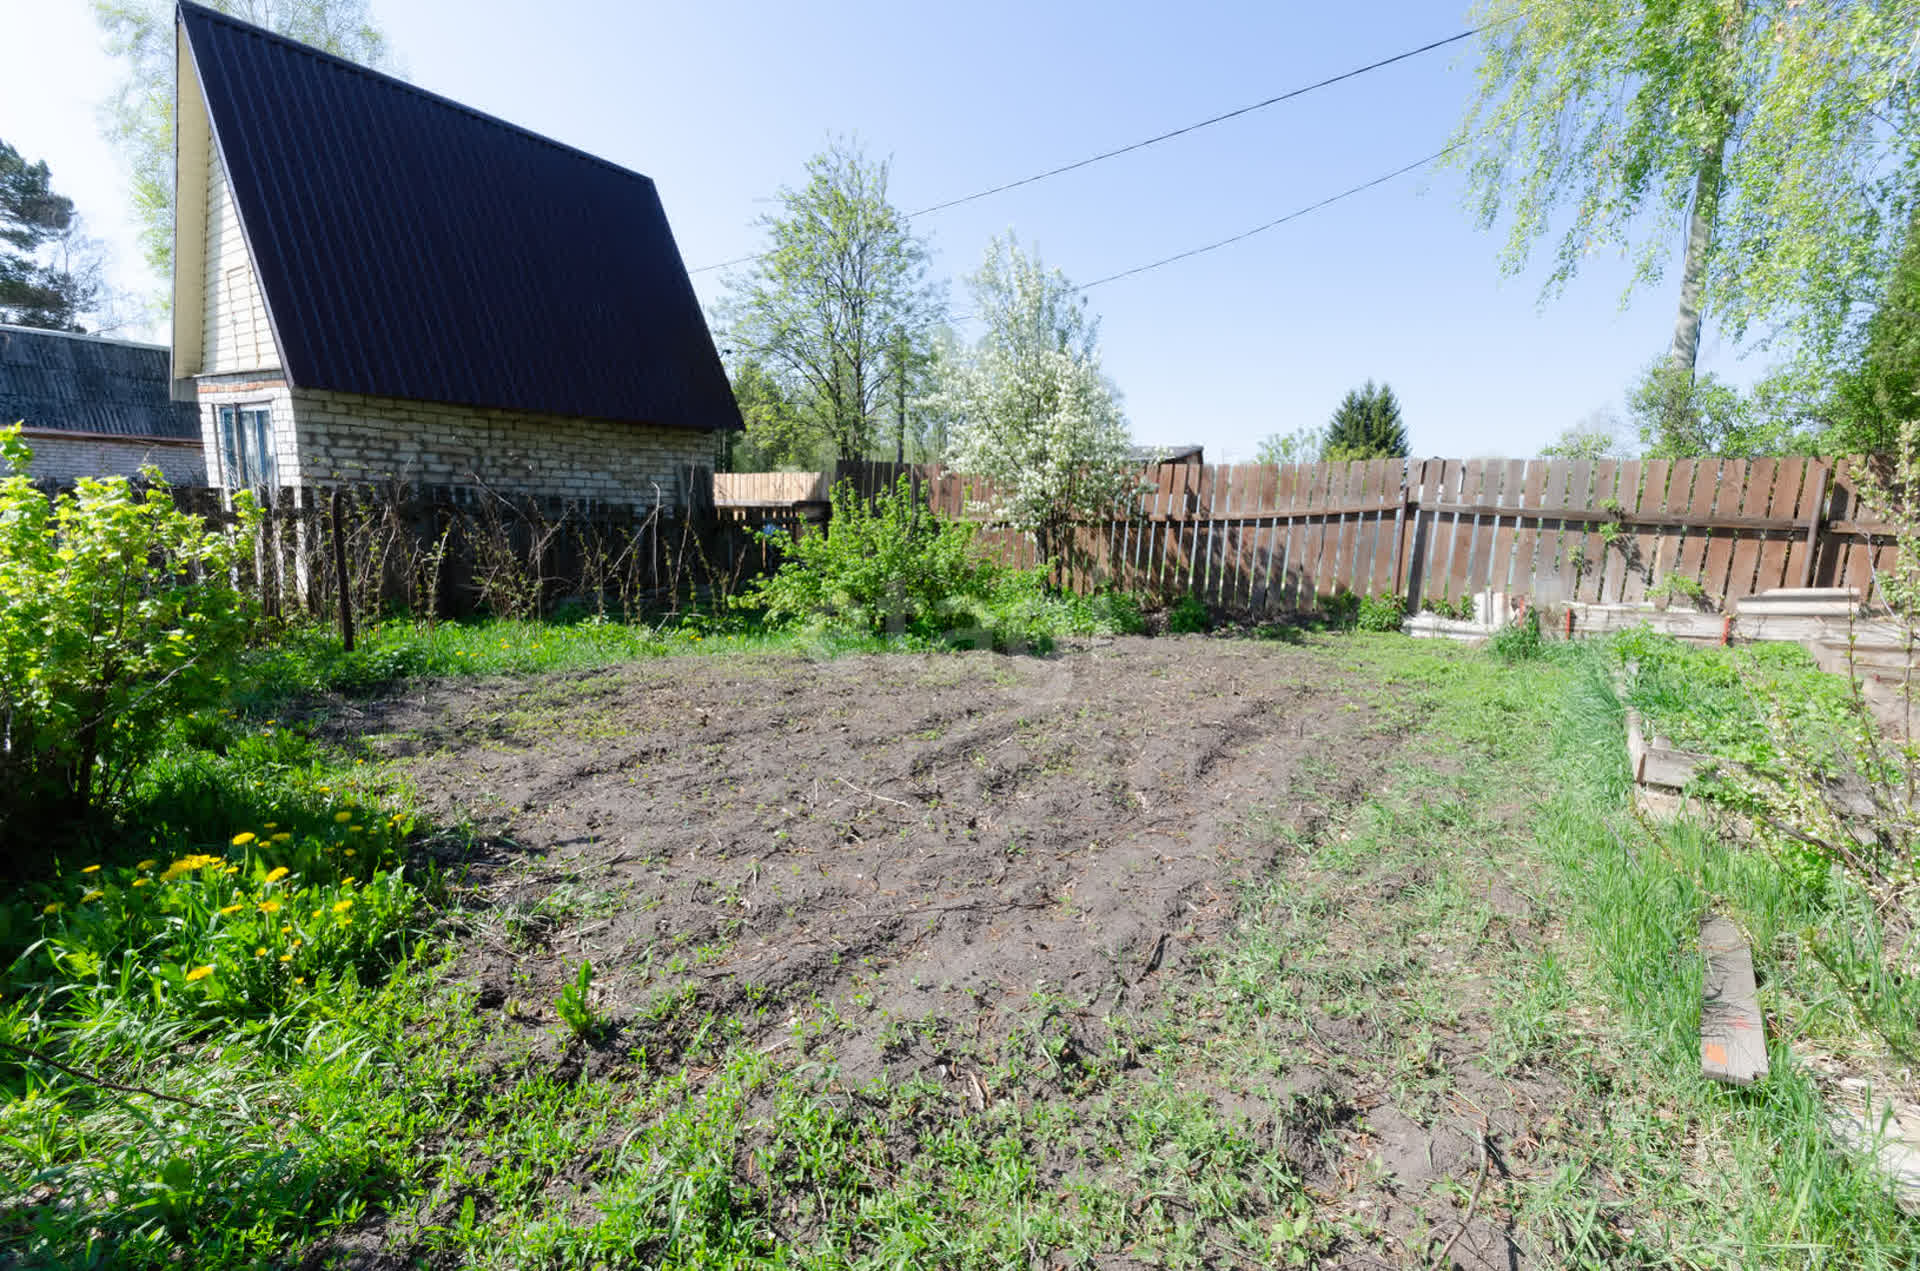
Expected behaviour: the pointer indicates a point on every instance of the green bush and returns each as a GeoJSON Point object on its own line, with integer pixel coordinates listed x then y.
{"type": "Point", "coordinates": [1188, 615]}
{"type": "Point", "coordinates": [896, 566]}
{"type": "Point", "coordinates": [1382, 613]}
{"type": "Point", "coordinates": [1520, 640]}
{"type": "Point", "coordinates": [116, 614]}
{"type": "Point", "coordinates": [1342, 608]}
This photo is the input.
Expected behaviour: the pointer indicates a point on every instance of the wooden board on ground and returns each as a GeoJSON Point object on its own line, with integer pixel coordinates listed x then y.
{"type": "Point", "coordinates": [1733, 1039]}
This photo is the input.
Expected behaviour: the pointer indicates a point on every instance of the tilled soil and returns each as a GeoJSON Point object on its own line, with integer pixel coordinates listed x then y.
{"type": "Point", "coordinates": [955, 840]}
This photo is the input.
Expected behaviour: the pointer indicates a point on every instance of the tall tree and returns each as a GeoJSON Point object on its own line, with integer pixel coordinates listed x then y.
{"type": "Point", "coordinates": [49, 271]}
{"type": "Point", "coordinates": [1761, 133]}
{"type": "Point", "coordinates": [824, 308]}
{"type": "Point", "coordinates": [1366, 425]}
{"type": "Point", "coordinates": [1880, 390]}
{"type": "Point", "coordinates": [1302, 445]}
{"type": "Point", "coordinates": [775, 437]}
{"type": "Point", "coordinates": [139, 116]}
{"type": "Point", "coordinates": [1034, 413]}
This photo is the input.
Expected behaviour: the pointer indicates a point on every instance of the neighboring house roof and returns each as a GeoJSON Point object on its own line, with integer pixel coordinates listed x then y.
{"type": "Point", "coordinates": [1167, 454]}
{"type": "Point", "coordinates": [411, 247]}
{"type": "Point", "coordinates": [87, 384]}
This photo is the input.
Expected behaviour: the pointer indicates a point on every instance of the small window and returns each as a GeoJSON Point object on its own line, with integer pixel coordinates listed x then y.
{"type": "Point", "coordinates": [246, 446]}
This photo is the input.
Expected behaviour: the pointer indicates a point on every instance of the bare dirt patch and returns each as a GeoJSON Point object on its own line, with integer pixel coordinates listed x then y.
{"type": "Point", "coordinates": [935, 833]}
{"type": "Point", "coordinates": [914, 871]}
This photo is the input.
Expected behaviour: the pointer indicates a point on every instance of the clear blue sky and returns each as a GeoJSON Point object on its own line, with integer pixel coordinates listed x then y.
{"type": "Point", "coordinates": [721, 103]}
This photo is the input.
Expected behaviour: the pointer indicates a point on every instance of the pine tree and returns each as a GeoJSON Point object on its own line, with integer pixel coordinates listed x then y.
{"type": "Point", "coordinates": [35, 292]}
{"type": "Point", "coordinates": [1367, 425]}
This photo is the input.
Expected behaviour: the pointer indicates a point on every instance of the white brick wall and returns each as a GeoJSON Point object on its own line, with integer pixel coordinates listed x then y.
{"type": "Point", "coordinates": [66, 458]}
{"type": "Point", "coordinates": [348, 437]}
{"type": "Point", "coordinates": [237, 335]}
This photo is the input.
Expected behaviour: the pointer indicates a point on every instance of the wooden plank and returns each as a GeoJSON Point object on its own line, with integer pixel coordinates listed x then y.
{"type": "Point", "coordinates": [1385, 484]}
{"type": "Point", "coordinates": [1582, 543]}
{"type": "Point", "coordinates": [1416, 569]}
{"type": "Point", "coordinates": [1479, 484]}
{"type": "Point", "coordinates": [1206, 550]}
{"type": "Point", "coordinates": [1745, 562]}
{"type": "Point", "coordinates": [1789, 482]}
{"type": "Point", "coordinates": [1244, 486]}
{"type": "Point", "coordinates": [1164, 531]}
{"type": "Point", "coordinates": [1550, 559]}
{"type": "Point", "coordinates": [1594, 547]}
{"type": "Point", "coordinates": [1626, 545]}
{"type": "Point", "coordinates": [1322, 495]}
{"type": "Point", "coordinates": [1727, 499]}
{"type": "Point", "coordinates": [1733, 1038]}
{"type": "Point", "coordinates": [1251, 482]}
{"type": "Point", "coordinates": [1473, 474]}
{"type": "Point", "coordinates": [1347, 527]}
{"type": "Point", "coordinates": [1513, 476]}
{"type": "Point", "coordinates": [1280, 585]}
{"type": "Point", "coordinates": [1695, 481]}
{"type": "Point", "coordinates": [1813, 499]}
{"type": "Point", "coordinates": [1651, 544]}
{"type": "Point", "coordinates": [1526, 536]}
{"type": "Point", "coordinates": [1444, 530]}
{"type": "Point", "coordinates": [1260, 543]}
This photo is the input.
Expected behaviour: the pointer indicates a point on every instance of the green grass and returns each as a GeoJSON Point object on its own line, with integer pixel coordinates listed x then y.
{"type": "Point", "coordinates": [376, 1091]}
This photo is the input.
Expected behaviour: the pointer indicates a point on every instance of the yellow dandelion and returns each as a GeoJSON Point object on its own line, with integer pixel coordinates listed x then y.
{"type": "Point", "coordinates": [91, 869]}
{"type": "Point", "coordinates": [285, 928]}
{"type": "Point", "coordinates": [231, 909]}
{"type": "Point", "coordinates": [350, 851]}
{"type": "Point", "coordinates": [286, 957]}
{"type": "Point", "coordinates": [95, 894]}
{"type": "Point", "coordinates": [270, 907]}
{"type": "Point", "coordinates": [355, 829]}
{"type": "Point", "coordinates": [273, 825]}
{"type": "Point", "coordinates": [199, 973]}
{"type": "Point", "coordinates": [298, 943]}
{"type": "Point", "coordinates": [52, 907]}
{"type": "Point", "coordinates": [145, 865]}
{"type": "Point", "coordinates": [324, 789]}
{"type": "Point", "coordinates": [141, 882]}
{"type": "Point", "coordinates": [342, 817]}
{"type": "Point", "coordinates": [277, 873]}
{"type": "Point", "coordinates": [243, 838]}
{"type": "Point", "coordinates": [231, 869]}
{"type": "Point", "coordinates": [260, 952]}
{"type": "Point", "coordinates": [342, 906]}
{"type": "Point", "coordinates": [299, 979]}
{"type": "Point", "coordinates": [282, 837]}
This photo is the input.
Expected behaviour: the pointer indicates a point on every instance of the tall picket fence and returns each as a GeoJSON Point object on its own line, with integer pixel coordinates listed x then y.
{"type": "Point", "coordinates": [1275, 538]}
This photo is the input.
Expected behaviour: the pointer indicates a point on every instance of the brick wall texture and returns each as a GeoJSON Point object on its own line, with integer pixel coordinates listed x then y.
{"type": "Point", "coordinates": [63, 459]}
{"type": "Point", "coordinates": [236, 333]}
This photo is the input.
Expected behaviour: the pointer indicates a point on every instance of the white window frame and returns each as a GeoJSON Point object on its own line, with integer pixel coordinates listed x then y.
{"type": "Point", "coordinates": [244, 434]}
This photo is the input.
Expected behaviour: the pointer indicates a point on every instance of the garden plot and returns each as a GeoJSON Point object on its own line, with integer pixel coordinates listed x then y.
{"type": "Point", "coordinates": [898, 835]}
{"type": "Point", "coordinates": [977, 900]}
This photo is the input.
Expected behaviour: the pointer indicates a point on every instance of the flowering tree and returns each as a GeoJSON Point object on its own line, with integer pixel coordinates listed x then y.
{"type": "Point", "coordinates": [1033, 413]}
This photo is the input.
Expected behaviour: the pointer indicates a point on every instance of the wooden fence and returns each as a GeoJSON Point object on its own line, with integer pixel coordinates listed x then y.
{"type": "Point", "coordinates": [1273, 538]}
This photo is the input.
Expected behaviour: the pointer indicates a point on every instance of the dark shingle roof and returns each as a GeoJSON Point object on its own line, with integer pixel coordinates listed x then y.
{"type": "Point", "coordinates": [412, 247]}
{"type": "Point", "coordinates": [81, 383]}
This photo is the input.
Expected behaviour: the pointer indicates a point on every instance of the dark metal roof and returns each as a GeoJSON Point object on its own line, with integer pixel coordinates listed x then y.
{"type": "Point", "coordinates": [412, 247]}
{"type": "Point", "coordinates": [83, 383]}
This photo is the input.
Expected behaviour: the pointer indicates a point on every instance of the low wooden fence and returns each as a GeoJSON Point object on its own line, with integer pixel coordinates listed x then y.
{"type": "Point", "coordinates": [1272, 538]}
{"type": "Point", "coordinates": [452, 551]}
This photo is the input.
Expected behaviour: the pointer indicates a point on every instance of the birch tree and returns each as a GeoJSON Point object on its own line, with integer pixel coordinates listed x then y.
{"type": "Point", "coordinates": [1033, 412]}
{"type": "Point", "coordinates": [139, 117]}
{"type": "Point", "coordinates": [1772, 140]}
{"type": "Point", "coordinates": [825, 308]}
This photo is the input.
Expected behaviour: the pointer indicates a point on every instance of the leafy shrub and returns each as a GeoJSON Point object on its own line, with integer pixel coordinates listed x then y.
{"type": "Point", "coordinates": [1188, 615]}
{"type": "Point", "coordinates": [895, 566]}
{"type": "Point", "coordinates": [1342, 608]}
{"type": "Point", "coordinates": [1381, 613]}
{"type": "Point", "coordinates": [116, 613]}
{"type": "Point", "coordinates": [1460, 610]}
{"type": "Point", "coordinates": [1519, 640]}
{"type": "Point", "coordinates": [1678, 587]}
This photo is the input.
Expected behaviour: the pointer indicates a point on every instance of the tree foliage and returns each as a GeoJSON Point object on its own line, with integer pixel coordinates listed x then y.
{"type": "Point", "coordinates": [1779, 133]}
{"type": "Point", "coordinates": [49, 272]}
{"type": "Point", "coordinates": [1679, 415]}
{"type": "Point", "coordinates": [1302, 445]}
{"type": "Point", "coordinates": [776, 436]}
{"type": "Point", "coordinates": [116, 612]}
{"type": "Point", "coordinates": [1034, 413]}
{"type": "Point", "coordinates": [1598, 436]}
{"type": "Point", "coordinates": [139, 116]}
{"type": "Point", "coordinates": [1366, 425]}
{"type": "Point", "coordinates": [1880, 391]}
{"type": "Point", "coordinates": [822, 309]}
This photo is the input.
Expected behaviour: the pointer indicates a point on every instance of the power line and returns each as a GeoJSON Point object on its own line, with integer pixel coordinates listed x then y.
{"type": "Point", "coordinates": [1296, 214]}
{"type": "Point", "coordinates": [1104, 155]}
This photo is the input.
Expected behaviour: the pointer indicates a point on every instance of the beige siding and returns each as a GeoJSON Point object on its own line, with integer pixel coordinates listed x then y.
{"type": "Point", "coordinates": [236, 334]}
{"type": "Point", "coordinates": [348, 437]}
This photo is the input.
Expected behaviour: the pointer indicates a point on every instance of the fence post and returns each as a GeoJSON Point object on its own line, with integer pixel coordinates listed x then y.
{"type": "Point", "coordinates": [1814, 518]}
{"type": "Point", "coordinates": [340, 567]}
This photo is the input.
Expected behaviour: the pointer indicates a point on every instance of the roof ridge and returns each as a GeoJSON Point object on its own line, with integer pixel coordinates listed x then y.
{"type": "Point", "coordinates": [214, 15]}
{"type": "Point", "coordinates": [83, 335]}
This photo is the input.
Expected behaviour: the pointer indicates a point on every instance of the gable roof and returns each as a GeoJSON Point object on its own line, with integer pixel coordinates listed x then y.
{"type": "Point", "coordinates": [83, 383]}
{"type": "Point", "coordinates": [411, 247]}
